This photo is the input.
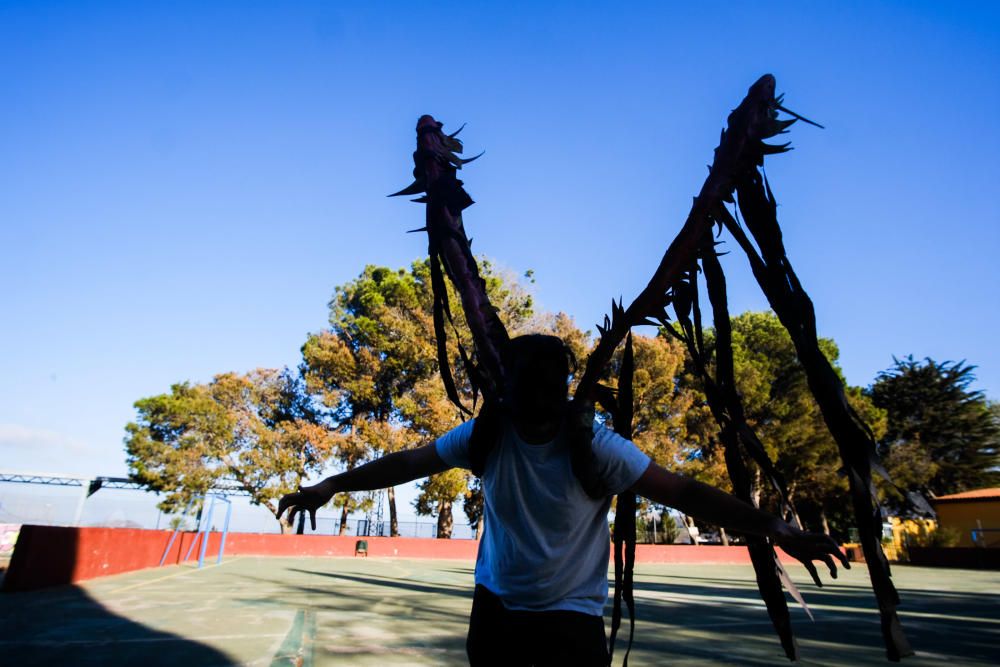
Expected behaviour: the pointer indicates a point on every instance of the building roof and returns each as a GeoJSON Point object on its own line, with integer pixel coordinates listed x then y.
{"type": "Point", "coordinates": [977, 494]}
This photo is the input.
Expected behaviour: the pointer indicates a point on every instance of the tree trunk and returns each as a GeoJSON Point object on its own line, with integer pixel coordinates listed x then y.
{"type": "Point", "coordinates": [393, 523]}
{"type": "Point", "coordinates": [286, 527]}
{"type": "Point", "coordinates": [755, 487]}
{"type": "Point", "coordinates": [723, 536]}
{"type": "Point", "coordinates": [689, 524]}
{"type": "Point", "coordinates": [480, 524]}
{"type": "Point", "coordinates": [795, 516]}
{"type": "Point", "coordinates": [792, 510]}
{"type": "Point", "coordinates": [343, 520]}
{"type": "Point", "coordinates": [826, 524]}
{"type": "Point", "coordinates": [445, 520]}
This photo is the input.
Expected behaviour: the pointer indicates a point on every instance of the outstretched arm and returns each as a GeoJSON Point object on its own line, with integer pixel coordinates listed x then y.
{"type": "Point", "coordinates": [723, 509]}
{"type": "Point", "coordinates": [390, 470]}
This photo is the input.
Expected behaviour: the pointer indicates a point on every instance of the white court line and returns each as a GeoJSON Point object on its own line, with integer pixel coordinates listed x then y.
{"type": "Point", "coordinates": [730, 602]}
{"type": "Point", "coordinates": [134, 640]}
{"type": "Point", "coordinates": [170, 576]}
{"type": "Point", "coordinates": [272, 650]}
{"type": "Point", "coordinates": [374, 649]}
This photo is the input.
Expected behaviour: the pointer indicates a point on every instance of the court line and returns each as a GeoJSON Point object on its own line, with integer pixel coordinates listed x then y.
{"type": "Point", "coordinates": [170, 576]}
{"type": "Point", "coordinates": [374, 649]}
{"type": "Point", "coordinates": [298, 644]}
{"type": "Point", "coordinates": [134, 640]}
{"type": "Point", "coordinates": [272, 651]}
{"type": "Point", "coordinates": [747, 603]}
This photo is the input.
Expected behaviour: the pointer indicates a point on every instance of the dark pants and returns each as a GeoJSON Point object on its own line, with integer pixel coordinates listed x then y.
{"type": "Point", "coordinates": [500, 636]}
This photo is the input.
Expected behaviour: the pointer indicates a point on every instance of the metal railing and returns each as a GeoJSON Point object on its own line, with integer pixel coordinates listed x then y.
{"type": "Point", "coordinates": [986, 537]}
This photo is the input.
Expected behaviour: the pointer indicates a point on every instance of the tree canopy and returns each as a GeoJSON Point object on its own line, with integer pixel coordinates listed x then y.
{"type": "Point", "coordinates": [780, 408]}
{"type": "Point", "coordinates": [256, 430]}
{"type": "Point", "coordinates": [375, 369]}
{"type": "Point", "coordinates": [942, 436]}
{"type": "Point", "coordinates": [369, 384]}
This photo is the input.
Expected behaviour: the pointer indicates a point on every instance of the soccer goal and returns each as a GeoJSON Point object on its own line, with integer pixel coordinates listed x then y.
{"type": "Point", "coordinates": [204, 527]}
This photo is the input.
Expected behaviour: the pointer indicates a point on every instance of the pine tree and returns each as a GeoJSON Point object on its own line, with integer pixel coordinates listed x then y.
{"type": "Point", "coordinates": [943, 436]}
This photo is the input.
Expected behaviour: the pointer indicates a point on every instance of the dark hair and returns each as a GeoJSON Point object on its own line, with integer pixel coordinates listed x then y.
{"type": "Point", "coordinates": [488, 427]}
{"type": "Point", "coordinates": [539, 347]}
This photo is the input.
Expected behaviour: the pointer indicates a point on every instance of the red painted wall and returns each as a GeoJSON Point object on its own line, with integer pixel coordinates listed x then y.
{"type": "Point", "coordinates": [690, 554]}
{"type": "Point", "coordinates": [53, 555]}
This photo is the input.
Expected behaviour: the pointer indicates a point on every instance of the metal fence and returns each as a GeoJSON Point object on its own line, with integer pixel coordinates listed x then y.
{"type": "Point", "coordinates": [366, 528]}
{"type": "Point", "coordinates": [29, 502]}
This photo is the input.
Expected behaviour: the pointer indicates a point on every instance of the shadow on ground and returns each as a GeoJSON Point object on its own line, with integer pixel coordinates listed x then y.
{"type": "Point", "coordinates": [723, 620]}
{"type": "Point", "coordinates": [380, 612]}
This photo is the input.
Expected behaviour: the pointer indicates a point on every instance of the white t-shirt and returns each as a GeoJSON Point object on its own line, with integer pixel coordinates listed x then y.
{"type": "Point", "coordinates": [546, 543]}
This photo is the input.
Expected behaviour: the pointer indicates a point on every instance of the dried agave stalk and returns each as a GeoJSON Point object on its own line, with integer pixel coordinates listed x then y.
{"type": "Point", "coordinates": [620, 405]}
{"type": "Point", "coordinates": [435, 163]}
{"type": "Point", "coordinates": [740, 152]}
{"type": "Point", "coordinates": [741, 148]}
{"type": "Point", "coordinates": [735, 434]}
{"type": "Point", "coordinates": [776, 277]}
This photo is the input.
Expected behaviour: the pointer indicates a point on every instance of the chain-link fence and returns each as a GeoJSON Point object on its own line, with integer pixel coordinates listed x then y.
{"type": "Point", "coordinates": [367, 528]}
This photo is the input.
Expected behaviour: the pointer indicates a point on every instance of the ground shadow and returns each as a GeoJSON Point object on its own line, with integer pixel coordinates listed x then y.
{"type": "Point", "coordinates": [677, 613]}
{"type": "Point", "coordinates": [64, 625]}
{"type": "Point", "coordinates": [391, 582]}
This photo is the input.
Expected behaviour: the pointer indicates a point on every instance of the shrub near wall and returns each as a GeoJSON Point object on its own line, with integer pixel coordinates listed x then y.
{"type": "Point", "coordinates": [8, 538]}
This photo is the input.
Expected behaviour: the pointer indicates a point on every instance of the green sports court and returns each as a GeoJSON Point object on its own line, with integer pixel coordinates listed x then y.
{"type": "Point", "coordinates": [270, 611]}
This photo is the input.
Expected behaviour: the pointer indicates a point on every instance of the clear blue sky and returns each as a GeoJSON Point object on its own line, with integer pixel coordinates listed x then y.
{"type": "Point", "coordinates": [181, 187]}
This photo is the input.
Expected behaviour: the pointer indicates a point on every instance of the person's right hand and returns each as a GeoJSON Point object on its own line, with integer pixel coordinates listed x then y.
{"type": "Point", "coordinates": [306, 499]}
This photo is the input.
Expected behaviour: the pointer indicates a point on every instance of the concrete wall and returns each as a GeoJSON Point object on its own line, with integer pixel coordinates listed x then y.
{"type": "Point", "coordinates": [54, 555]}
{"type": "Point", "coordinates": [973, 558]}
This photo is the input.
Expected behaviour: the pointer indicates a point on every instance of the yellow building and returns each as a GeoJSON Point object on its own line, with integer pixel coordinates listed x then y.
{"type": "Point", "coordinates": [975, 514]}
{"type": "Point", "coordinates": [898, 533]}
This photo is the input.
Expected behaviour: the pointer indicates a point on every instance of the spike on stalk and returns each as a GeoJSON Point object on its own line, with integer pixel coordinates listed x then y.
{"type": "Point", "coordinates": [414, 188]}
{"type": "Point", "coordinates": [468, 160]}
{"type": "Point", "coordinates": [792, 113]}
{"type": "Point", "coordinates": [771, 149]}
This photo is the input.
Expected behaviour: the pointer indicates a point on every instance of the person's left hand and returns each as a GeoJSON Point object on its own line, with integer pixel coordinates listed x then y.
{"type": "Point", "coordinates": [807, 547]}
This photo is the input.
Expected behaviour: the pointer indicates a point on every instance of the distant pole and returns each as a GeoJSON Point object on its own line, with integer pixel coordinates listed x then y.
{"type": "Point", "coordinates": [225, 528]}
{"type": "Point", "coordinates": [378, 514]}
{"type": "Point", "coordinates": [204, 529]}
{"type": "Point", "coordinates": [84, 492]}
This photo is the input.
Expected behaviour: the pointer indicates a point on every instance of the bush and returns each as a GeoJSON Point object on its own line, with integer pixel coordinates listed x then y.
{"type": "Point", "coordinates": [671, 531]}
{"type": "Point", "coordinates": [666, 530]}
{"type": "Point", "coordinates": [939, 537]}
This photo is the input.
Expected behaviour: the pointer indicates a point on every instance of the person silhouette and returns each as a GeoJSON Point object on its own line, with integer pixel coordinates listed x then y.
{"type": "Point", "coordinates": [541, 571]}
